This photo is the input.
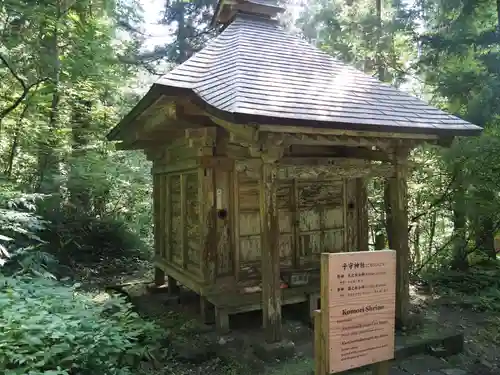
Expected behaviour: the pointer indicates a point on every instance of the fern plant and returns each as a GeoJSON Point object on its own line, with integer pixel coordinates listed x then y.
{"type": "Point", "coordinates": [20, 244]}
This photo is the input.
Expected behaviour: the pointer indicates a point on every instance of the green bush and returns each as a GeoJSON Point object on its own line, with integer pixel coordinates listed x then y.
{"type": "Point", "coordinates": [477, 288]}
{"type": "Point", "coordinates": [51, 329]}
{"type": "Point", "coordinates": [20, 244]}
{"type": "Point", "coordinates": [80, 239]}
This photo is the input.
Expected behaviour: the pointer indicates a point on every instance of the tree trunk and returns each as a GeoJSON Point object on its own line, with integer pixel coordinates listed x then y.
{"type": "Point", "coordinates": [485, 237]}
{"type": "Point", "coordinates": [379, 62]}
{"type": "Point", "coordinates": [48, 159]}
{"type": "Point", "coordinates": [416, 244]}
{"type": "Point", "coordinates": [459, 259]}
{"type": "Point", "coordinates": [15, 142]}
{"type": "Point", "coordinates": [79, 188]}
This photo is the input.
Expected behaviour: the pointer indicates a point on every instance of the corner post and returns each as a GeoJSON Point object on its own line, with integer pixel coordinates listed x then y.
{"type": "Point", "coordinates": [397, 221]}
{"type": "Point", "coordinates": [270, 256]}
{"type": "Point", "coordinates": [159, 274]}
{"type": "Point", "coordinates": [362, 214]}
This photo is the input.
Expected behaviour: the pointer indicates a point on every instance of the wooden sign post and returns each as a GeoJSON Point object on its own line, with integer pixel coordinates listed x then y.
{"type": "Point", "coordinates": [355, 326]}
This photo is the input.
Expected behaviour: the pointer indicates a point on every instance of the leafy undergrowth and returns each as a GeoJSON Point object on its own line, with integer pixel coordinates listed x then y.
{"type": "Point", "coordinates": [77, 239]}
{"type": "Point", "coordinates": [469, 301]}
{"type": "Point", "coordinates": [477, 289]}
{"type": "Point", "coordinates": [50, 328]}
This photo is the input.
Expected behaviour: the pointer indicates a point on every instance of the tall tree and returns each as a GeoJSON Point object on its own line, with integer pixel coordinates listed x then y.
{"type": "Point", "coordinates": [192, 29]}
{"type": "Point", "coordinates": [460, 59]}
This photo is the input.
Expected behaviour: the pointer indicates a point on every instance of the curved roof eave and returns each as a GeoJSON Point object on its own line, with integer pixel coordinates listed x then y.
{"type": "Point", "coordinates": [245, 119]}
{"type": "Point", "coordinates": [158, 89]}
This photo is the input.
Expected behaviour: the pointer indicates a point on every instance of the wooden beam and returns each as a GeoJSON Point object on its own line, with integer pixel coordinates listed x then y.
{"type": "Point", "coordinates": [342, 151]}
{"type": "Point", "coordinates": [334, 140]}
{"type": "Point", "coordinates": [270, 256]}
{"type": "Point", "coordinates": [164, 134]}
{"type": "Point", "coordinates": [293, 168]}
{"type": "Point", "coordinates": [220, 163]}
{"type": "Point", "coordinates": [185, 165]}
{"type": "Point", "coordinates": [247, 133]}
{"type": "Point", "coordinates": [342, 132]}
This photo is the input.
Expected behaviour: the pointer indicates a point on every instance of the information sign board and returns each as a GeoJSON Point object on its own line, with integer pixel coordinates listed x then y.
{"type": "Point", "coordinates": [358, 298]}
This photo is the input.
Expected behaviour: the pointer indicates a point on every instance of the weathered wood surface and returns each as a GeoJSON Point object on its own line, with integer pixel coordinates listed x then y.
{"type": "Point", "coordinates": [270, 257]}
{"type": "Point", "coordinates": [208, 232]}
{"type": "Point", "coordinates": [319, 168]}
{"type": "Point", "coordinates": [361, 202]}
{"type": "Point", "coordinates": [397, 221]}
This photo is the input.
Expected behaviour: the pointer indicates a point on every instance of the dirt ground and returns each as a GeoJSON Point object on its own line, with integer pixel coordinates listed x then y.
{"type": "Point", "coordinates": [193, 348]}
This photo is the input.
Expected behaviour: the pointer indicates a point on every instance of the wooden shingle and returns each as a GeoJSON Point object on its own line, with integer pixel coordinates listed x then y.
{"type": "Point", "coordinates": [254, 67]}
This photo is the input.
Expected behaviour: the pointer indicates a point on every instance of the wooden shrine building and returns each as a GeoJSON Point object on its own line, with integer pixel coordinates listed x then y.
{"type": "Point", "coordinates": [261, 145]}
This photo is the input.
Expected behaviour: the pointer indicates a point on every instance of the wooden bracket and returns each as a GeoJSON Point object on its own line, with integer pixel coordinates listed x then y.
{"type": "Point", "coordinates": [249, 133]}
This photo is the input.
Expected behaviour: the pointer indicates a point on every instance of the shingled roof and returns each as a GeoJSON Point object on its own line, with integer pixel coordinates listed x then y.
{"type": "Point", "coordinates": [255, 71]}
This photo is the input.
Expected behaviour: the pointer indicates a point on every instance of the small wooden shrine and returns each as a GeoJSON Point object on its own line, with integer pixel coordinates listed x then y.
{"type": "Point", "coordinates": [261, 146]}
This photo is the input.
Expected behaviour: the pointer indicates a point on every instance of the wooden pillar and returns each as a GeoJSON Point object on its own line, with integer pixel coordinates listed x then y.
{"type": "Point", "coordinates": [159, 276]}
{"type": "Point", "coordinates": [208, 228]}
{"type": "Point", "coordinates": [173, 287]}
{"type": "Point", "coordinates": [270, 257]}
{"type": "Point", "coordinates": [350, 216]}
{"type": "Point", "coordinates": [362, 214]}
{"type": "Point", "coordinates": [184, 239]}
{"type": "Point", "coordinates": [207, 311]}
{"type": "Point", "coordinates": [397, 220]}
{"type": "Point", "coordinates": [156, 214]}
{"type": "Point", "coordinates": [295, 202]}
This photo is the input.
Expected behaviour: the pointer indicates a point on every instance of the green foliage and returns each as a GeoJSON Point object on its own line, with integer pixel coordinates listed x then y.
{"type": "Point", "coordinates": [450, 49]}
{"type": "Point", "coordinates": [48, 328]}
{"type": "Point", "coordinates": [76, 238]}
{"type": "Point", "coordinates": [192, 29]}
{"type": "Point", "coordinates": [478, 288]}
{"type": "Point", "coordinates": [20, 243]}
{"type": "Point", "coordinates": [65, 72]}
{"type": "Point", "coordinates": [352, 32]}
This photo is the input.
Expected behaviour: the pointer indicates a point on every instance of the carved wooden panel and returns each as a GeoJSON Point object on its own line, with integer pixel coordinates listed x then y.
{"type": "Point", "coordinates": [192, 219]}
{"type": "Point", "coordinates": [321, 219]}
{"type": "Point", "coordinates": [176, 220]}
{"type": "Point", "coordinates": [249, 223]}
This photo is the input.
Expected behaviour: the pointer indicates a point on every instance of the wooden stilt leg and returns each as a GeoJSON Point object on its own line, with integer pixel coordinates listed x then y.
{"type": "Point", "coordinates": [159, 277]}
{"type": "Point", "coordinates": [221, 320]}
{"type": "Point", "coordinates": [313, 305]}
{"type": "Point", "coordinates": [173, 288]}
{"type": "Point", "coordinates": [206, 311]}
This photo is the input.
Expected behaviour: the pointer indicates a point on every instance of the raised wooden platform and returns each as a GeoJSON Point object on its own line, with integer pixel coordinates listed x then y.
{"type": "Point", "coordinates": [231, 304]}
